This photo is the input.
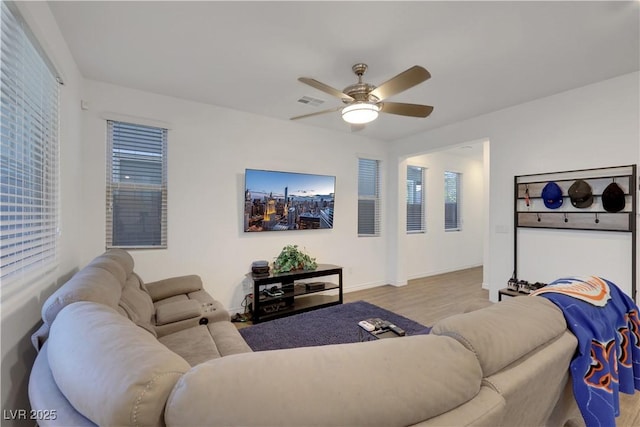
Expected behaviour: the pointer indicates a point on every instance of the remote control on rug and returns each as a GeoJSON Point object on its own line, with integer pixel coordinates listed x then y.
{"type": "Point", "coordinates": [366, 326]}
{"type": "Point", "coordinates": [397, 329]}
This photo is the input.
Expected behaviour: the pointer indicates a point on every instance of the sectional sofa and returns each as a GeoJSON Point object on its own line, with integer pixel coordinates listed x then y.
{"type": "Point", "coordinates": [110, 354]}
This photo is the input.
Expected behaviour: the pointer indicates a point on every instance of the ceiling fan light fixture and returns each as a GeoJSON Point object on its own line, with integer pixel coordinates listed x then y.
{"type": "Point", "coordinates": [360, 113]}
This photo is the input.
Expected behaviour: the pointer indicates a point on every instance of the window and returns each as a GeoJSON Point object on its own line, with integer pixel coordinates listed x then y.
{"type": "Point", "coordinates": [136, 186]}
{"type": "Point", "coordinates": [368, 197]}
{"type": "Point", "coordinates": [28, 154]}
{"type": "Point", "coordinates": [452, 221]}
{"type": "Point", "coordinates": [415, 199]}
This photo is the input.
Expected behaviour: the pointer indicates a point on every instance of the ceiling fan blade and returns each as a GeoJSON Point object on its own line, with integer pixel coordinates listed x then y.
{"type": "Point", "coordinates": [402, 109]}
{"type": "Point", "coordinates": [317, 113]}
{"type": "Point", "coordinates": [403, 81]}
{"type": "Point", "coordinates": [325, 88]}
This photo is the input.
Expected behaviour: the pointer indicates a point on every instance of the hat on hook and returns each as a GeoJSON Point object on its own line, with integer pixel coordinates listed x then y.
{"type": "Point", "coordinates": [552, 195]}
{"type": "Point", "coordinates": [581, 194]}
{"type": "Point", "coordinates": [613, 198]}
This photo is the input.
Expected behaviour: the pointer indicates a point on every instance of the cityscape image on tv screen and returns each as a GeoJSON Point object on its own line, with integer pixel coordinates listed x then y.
{"type": "Point", "coordinates": [279, 201]}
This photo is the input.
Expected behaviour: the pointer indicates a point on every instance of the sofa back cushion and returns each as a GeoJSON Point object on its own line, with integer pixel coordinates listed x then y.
{"type": "Point", "coordinates": [100, 281]}
{"type": "Point", "coordinates": [112, 266]}
{"type": "Point", "coordinates": [380, 383]}
{"type": "Point", "coordinates": [120, 257]}
{"type": "Point", "coordinates": [506, 331]}
{"type": "Point", "coordinates": [137, 303]}
{"type": "Point", "coordinates": [110, 370]}
{"type": "Point", "coordinates": [89, 284]}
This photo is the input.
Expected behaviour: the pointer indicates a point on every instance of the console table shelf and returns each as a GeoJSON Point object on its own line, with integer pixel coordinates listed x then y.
{"type": "Point", "coordinates": [296, 296]}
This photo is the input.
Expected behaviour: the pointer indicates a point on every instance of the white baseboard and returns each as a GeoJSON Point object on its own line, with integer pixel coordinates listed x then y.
{"type": "Point", "coordinates": [362, 287]}
{"type": "Point", "coordinates": [447, 270]}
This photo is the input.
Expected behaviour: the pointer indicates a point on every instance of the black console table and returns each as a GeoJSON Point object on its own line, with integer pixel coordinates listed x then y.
{"type": "Point", "coordinates": [299, 293]}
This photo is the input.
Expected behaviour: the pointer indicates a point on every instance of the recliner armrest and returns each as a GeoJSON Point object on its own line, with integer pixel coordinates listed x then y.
{"type": "Point", "coordinates": [174, 286]}
{"type": "Point", "coordinates": [176, 311]}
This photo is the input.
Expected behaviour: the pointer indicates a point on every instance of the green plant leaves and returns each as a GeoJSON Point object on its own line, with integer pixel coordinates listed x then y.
{"type": "Point", "coordinates": [291, 258]}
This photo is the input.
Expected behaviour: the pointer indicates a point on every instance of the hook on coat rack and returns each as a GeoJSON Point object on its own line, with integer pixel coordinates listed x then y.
{"type": "Point", "coordinates": [566, 217]}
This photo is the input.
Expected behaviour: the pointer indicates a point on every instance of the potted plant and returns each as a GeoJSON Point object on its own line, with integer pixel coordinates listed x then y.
{"type": "Point", "coordinates": [292, 258]}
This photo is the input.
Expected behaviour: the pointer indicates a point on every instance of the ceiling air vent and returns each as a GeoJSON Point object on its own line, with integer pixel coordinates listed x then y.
{"type": "Point", "coordinates": [310, 101]}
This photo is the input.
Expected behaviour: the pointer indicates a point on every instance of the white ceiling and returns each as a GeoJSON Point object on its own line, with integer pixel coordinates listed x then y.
{"type": "Point", "coordinates": [483, 56]}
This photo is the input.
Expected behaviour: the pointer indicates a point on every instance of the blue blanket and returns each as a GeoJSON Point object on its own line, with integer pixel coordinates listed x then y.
{"type": "Point", "coordinates": [607, 325]}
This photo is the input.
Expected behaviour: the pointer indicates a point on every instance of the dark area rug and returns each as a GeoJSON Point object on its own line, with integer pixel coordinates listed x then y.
{"type": "Point", "coordinates": [337, 324]}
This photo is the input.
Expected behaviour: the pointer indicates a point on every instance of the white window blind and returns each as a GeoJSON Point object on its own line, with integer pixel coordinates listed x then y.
{"type": "Point", "coordinates": [368, 197]}
{"type": "Point", "coordinates": [29, 91]}
{"type": "Point", "coordinates": [136, 186]}
{"type": "Point", "coordinates": [415, 200]}
{"type": "Point", "coordinates": [452, 197]}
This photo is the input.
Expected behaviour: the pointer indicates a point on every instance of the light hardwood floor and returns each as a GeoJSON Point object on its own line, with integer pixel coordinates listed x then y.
{"type": "Point", "coordinates": [432, 298]}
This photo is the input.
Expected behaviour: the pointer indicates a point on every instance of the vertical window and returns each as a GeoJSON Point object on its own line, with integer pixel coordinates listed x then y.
{"type": "Point", "coordinates": [136, 186]}
{"type": "Point", "coordinates": [29, 91]}
{"type": "Point", "coordinates": [368, 197]}
{"type": "Point", "coordinates": [415, 199]}
{"type": "Point", "coordinates": [452, 220]}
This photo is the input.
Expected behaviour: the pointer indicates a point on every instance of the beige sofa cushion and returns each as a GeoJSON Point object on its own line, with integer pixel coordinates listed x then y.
{"type": "Point", "coordinates": [509, 330]}
{"type": "Point", "coordinates": [122, 257]}
{"type": "Point", "coordinates": [44, 394]}
{"type": "Point", "coordinates": [486, 409]}
{"type": "Point", "coordinates": [398, 381]}
{"type": "Point", "coordinates": [112, 265]}
{"type": "Point", "coordinates": [194, 344]}
{"type": "Point", "coordinates": [174, 286]}
{"type": "Point", "coordinates": [89, 284]}
{"type": "Point", "coordinates": [176, 311]}
{"type": "Point", "coordinates": [111, 371]}
{"type": "Point", "coordinates": [548, 365]}
{"type": "Point", "coordinates": [137, 304]}
{"type": "Point", "coordinates": [227, 338]}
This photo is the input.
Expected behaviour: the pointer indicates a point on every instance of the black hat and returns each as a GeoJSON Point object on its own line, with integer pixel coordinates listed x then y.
{"type": "Point", "coordinates": [581, 194]}
{"type": "Point", "coordinates": [613, 198]}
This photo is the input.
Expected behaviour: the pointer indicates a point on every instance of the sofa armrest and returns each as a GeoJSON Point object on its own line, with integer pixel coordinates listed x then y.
{"type": "Point", "coordinates": [46, 398]}
{"type": "Point", "coordinates": [173, 286]}
{"type": "Point", "coordinates": [177, 311]}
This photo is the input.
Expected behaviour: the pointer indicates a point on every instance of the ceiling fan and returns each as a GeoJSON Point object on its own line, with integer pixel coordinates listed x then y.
{"type": "Point", "coordinates": [364, 101]}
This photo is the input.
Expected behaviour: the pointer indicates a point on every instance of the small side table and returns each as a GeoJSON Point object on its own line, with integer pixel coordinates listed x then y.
{"type": "Point", "coordinates": [510, 293]}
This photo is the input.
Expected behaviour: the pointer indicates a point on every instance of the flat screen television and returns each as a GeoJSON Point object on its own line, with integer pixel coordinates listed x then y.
{"type": "Point", "coordinates": [280, 201]}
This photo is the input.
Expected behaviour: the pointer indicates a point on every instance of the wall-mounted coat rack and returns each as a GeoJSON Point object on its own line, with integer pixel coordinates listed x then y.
{"type": "Point", "coordinates": [604, 201]}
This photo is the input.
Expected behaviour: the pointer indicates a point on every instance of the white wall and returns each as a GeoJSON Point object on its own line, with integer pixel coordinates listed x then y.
{"type": "Point", "coordinates": [209, 149]}
{"type": "Point", "coordinates": [437, 251]}
{"type": "Point", "coordinates": [20, 312]}
{"type": "Point", "coordinates": [590, 127]}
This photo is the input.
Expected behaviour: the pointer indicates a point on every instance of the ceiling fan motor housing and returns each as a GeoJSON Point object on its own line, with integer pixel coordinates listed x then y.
{"type": "Point", "coordinates": [360, 91]}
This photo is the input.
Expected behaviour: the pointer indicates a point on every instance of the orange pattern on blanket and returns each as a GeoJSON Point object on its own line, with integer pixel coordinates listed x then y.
{"type": "Point", "coordinates": [592, 289]}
